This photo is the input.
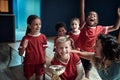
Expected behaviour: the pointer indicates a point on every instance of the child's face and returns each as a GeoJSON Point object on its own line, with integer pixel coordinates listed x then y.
{"type": "Point", "coordinates": [75, 25]}
{"type": "Point", "coordinates": [98, 49]}
{"type": "Point", "coordinates": [92, 19]}
{"type": "Point", "coordinates": [61, 31]}
{"type": "Point", "coordinates": [63, 49]}
{"type": "Point", "coordinates": [35, 26]}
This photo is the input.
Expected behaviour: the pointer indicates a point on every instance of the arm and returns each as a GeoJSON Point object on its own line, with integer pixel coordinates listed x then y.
{"type": "Point", "coordinates": [85, 55]}
{"type": "Point", "coordinates": [82, 12]}
{"type": "Point", "coordinates": [80, 72]}
{"type": "Point", "coordinates": [22, 47]}
{"type": "Point", "coordinates": [117, 24]}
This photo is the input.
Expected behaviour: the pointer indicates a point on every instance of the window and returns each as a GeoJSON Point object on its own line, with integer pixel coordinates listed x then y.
{"type": "Point", "coordinates": [4, 7]}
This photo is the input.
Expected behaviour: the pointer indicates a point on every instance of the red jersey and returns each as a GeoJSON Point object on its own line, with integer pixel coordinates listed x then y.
{"type": "Point", "coordinates": [70, 67]}
{"type": "Point", "coordinates": [74, 37]}
{"type": "Point", "coordinates": [35, 51]}
{"type": "Point", "coordinates": [87, 38]}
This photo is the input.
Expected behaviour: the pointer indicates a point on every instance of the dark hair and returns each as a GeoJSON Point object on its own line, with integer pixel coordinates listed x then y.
{"type": "Point", "coordinates": [110, 47]}
{"type": "Point", "coordinates": [59, 25]}
{"type": "Point", "coordinates": [29, 21]}
{"type": "Point", "coordinates": [110, 50]}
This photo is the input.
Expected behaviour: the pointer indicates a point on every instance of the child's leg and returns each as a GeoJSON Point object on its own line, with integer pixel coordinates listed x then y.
{"type": "Point", "coordinates": [28, 71]}
{"type": "Point", "coordinates": [39, 77]}
{"type": "Point", "coordinates": [87, 67]}
{"type": "Point", "coordinates": [30, 78]}
{"type": "Point", "coordinates": [39, 71]}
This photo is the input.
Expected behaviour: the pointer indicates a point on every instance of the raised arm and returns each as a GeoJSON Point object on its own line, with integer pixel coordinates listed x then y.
{"type": "Point", "coordinates": [82, 12]}
{"type": "Point", "coordinates": [117, 24]}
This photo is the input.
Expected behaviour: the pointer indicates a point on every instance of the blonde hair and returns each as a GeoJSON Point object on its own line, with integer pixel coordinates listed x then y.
{"type": "Point", "coordinates": [76, 19]}
{"type": "Point", "coordinates": [63, 39]}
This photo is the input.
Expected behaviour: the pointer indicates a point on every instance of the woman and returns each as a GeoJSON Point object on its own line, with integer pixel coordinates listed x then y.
{"type": "Point", "coordinates": [106, 58]}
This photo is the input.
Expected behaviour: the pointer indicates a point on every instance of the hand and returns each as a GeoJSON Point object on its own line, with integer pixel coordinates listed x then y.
{"type": "Point", "coordinates": [25, 43]}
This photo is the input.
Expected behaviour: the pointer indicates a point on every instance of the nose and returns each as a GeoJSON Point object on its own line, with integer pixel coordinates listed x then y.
{"type": "Point", "coordinates": [63, 49]}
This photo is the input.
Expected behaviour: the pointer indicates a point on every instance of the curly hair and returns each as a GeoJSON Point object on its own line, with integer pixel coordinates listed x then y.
{"type": "Point", "coordinates": [110, 50]}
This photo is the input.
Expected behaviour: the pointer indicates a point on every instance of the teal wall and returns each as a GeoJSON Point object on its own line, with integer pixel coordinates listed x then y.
{"type": "Point", "coordinates": [23, 8]}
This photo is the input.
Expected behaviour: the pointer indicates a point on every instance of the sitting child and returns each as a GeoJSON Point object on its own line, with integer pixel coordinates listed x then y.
{"type": "Point", "coordinates": [72, 63]}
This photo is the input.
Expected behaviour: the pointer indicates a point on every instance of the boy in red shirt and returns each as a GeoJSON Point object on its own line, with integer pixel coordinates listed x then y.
{"type": "Point", "coordinates": [71, 61]}
{"type": "Point", "coordinates": [89, 32]}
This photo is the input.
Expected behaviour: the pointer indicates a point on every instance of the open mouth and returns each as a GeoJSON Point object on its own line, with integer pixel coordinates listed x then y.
{"type": "Point", "coordinates": [91, 19]}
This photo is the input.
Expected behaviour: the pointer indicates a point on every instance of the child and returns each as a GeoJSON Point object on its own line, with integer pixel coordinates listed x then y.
{"type": "Point", "coordinates": [60, 28]}
{"type": "Point", "coordinates": [75, 32]}
{"type": "Point", "coordinates": [33, 44]}
{"type": "Point", "coordinates": [90, 31]}
{"type": "Point", "coordinates": [106, 57]}
{"type": "Point", "coordinates": [71, 61]}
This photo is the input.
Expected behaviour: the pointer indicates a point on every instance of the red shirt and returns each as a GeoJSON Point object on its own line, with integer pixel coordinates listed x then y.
{"type": "Point", "coordinates": [70, 67]}
{"type": "Point", "coordinates": [87, 38]}
{"type": "Point", "coordinates": [35, 51]}
{"type": "Point", "coordinates": [74, 37]}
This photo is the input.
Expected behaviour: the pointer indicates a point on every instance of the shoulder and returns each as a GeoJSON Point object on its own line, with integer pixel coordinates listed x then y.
{"type": "Point", "coordinates": [54, 61]}
{"type": "Point", "coordinates": [74, 57]}
{"type": "Point", "coordinates": [43, 35]}
{"type": "Point", "coordinates": [55, 38]}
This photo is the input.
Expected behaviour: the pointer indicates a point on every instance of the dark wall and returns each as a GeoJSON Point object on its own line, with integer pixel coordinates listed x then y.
{"type": "Point", "coordinates": [63, 10]}
{"type": "Point", "coordinates": [7, 28]}
{"type": "Point", "coordinates": [57, 10]}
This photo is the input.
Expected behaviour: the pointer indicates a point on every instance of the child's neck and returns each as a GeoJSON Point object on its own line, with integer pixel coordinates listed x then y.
{"type": "Point", "coordinates": [76, 32]}
{"type": "Point", "coordinates": [64, 59]}
{"type": "Point", "coordinates": [35, 33]}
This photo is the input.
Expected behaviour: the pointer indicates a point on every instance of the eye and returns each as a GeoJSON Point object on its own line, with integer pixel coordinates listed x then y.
{"type": "Point", "coordinates": [66, 47]}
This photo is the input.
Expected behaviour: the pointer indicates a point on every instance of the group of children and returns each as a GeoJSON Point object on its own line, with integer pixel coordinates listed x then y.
{"type": "Point", "coordinates": [84, 43]}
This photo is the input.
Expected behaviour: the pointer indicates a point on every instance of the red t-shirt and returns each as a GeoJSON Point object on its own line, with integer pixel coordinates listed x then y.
{"type": "Point", "coordinates": [74, 37]}
{"type": "Point", "coordinates": [87, 38]}
{"type": "Point", "coordinates": [35, 51]}
{"type": "Point", "coordinates": [70, 67]}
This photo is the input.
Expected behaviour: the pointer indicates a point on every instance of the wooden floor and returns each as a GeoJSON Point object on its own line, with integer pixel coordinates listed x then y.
{"type": "Point", "coordinates": [15, 70]}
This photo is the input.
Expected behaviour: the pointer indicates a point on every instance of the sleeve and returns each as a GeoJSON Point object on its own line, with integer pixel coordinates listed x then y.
{"type": "Point", "coordinates": [104, 29]}
{"type": "Point", "coordinates": [45, 41]}
{"type": "Point", "coordinates": [80, 72]}
{"type": "Point", "coordinates": [79, 66]}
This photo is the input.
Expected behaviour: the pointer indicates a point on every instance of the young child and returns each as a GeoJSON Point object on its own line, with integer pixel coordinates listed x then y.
{"type": "Point", "coordinates": [60, 28]}
{"type": "Point", "coordinates": [89, 32]}
{"type": "Point", "coordinates": [106, 58]}
{"type": "Point", "coordinates": [71, 61]}
{"type": "Point", "coordinates": [75, 30]}
{"type": "Point", "coordinates": [33, 44]}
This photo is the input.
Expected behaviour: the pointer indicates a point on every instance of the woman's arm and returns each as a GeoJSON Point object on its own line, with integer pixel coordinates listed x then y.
{"type": "Point", "coordinates": [86, 55]}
